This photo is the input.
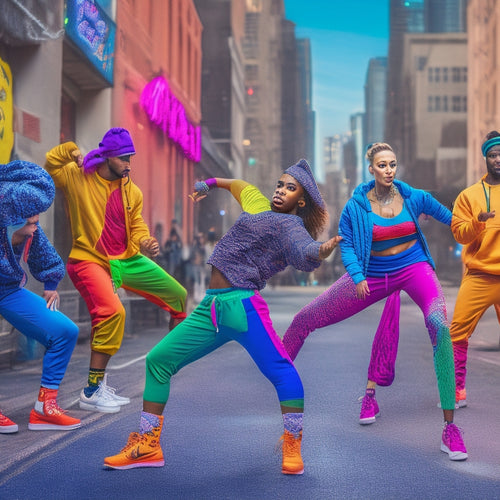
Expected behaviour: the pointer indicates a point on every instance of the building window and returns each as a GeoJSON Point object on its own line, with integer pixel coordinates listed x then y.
{"type": "Point", "coordinates": [445, 75]}
{"type": "Point", "coordinates": [430, 100]}
{"type": "Point", "coordinates": [437, 103]}
{"type": "Point", "coordinates": [445, 103]}
{"type": "Point", "coordinates": [420, 62]}
{"type": "Point", "coordinates": [430, 74]}
{"type": "Point", "coordinates": [456, 103]}
{"type": "Point", "coordinates": [437, 74]}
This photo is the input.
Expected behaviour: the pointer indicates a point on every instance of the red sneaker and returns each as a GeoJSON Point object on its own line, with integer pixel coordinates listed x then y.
{"type": "Point", "coordinates": [6, 425]}
{"type": "Point", "coordinates": [48, 416]}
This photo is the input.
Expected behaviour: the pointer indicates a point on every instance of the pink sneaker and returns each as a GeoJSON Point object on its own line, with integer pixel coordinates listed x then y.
{"type": "Point", "coordinates": [369, 410]}
{"type": "Point", "coordinates": [452, 442]}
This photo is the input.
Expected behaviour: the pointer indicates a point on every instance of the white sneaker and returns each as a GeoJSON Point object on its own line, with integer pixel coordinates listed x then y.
{"type": "Point", "coordinates": [120, 400]}
{"type": "Point", "coordinates": [101, 400]}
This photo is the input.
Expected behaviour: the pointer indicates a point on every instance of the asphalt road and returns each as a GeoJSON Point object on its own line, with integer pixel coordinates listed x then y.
{"type": "Point", "coordinates": [222, 422]}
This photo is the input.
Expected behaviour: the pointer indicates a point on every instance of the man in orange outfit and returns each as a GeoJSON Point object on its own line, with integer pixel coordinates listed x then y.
{"type": "Point", "coordinates": [476, 226]}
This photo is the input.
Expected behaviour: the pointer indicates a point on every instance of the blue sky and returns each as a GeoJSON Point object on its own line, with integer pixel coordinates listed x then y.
{"type": "Point", "coordinates": [344, 35]}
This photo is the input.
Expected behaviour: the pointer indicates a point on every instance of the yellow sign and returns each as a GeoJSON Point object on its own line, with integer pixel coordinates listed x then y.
{"type": "Point", "coordinates": [6, 113]}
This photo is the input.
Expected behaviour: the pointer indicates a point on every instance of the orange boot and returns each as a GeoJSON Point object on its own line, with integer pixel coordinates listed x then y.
{"type": "Point", "coordinates": [48, 416]}
{"type": "Point", "coordinates": [292, 459]}
{"type": "Point", "coordinates": [141, 450]}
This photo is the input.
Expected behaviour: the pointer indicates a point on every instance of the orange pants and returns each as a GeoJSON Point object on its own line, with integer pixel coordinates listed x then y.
{"type": "Point", "coordinates": [478, 291]}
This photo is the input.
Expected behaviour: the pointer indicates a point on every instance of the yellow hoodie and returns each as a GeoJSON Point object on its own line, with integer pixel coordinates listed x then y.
{"type": "Point", "coordinates": [480, 239]}
{"type": "Point", "coordinates": [87, 196]}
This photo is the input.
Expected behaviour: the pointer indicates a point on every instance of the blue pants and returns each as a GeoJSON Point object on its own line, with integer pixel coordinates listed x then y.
{"type": "Point", "coordinates": [28, 313]}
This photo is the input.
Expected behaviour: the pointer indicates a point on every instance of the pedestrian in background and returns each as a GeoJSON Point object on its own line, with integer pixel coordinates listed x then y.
{"type": "Point", "coordinates": [476, 226]}
{"type": "Point", "coordinates": [26, 190]}
{"type": "Point", "coordinates": [198, 266]}
{"type": "Point", "coordinates": [384, 251]}
{"type": "Point", "coordinates": [112, 247]}
{"type": "Point", "coordinates": [265, 239]}
{"type": "Point", "coordinates": [172, 254]}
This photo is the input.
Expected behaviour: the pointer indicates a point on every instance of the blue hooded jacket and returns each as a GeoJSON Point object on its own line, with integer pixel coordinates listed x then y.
{"type": "Point", "coordinates": [26, 190]}
{"type": "Point", "coordinates": [356, 224]}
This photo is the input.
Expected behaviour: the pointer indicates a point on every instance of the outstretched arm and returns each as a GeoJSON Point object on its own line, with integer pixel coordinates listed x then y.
{"type": "Point", "coordinates": [201, 188]}
{"type": "Point", "coordinates": [328, 247]}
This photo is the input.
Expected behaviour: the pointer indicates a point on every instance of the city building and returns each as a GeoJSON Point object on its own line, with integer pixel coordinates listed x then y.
{"type": "Point", "coordinates": [434, 112]}
{"type": "Point", "coordinates": [223, 106]}
{"type": "Point", "coordinates": [297, 116]}
{"type": "Point", "coordinates": [483, 93]}
{"type": "Point", "coordinates": [375, 98]}
{"type": "Point", "coordinates": [445, 16]}
{"type": "Point", "coordinates": [356, 129]}
{"type": "Point", "coordinates": [73, 69]}
{"type": "Point", "coordinates": [262, 50]}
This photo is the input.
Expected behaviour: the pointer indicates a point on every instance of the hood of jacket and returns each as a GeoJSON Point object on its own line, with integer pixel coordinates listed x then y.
{"type": "Point", "coordinates": [26, 189]}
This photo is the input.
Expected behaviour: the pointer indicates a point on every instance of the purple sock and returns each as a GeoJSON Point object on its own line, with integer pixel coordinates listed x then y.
{"type": "Point", "coordinates": [370, 393]}
{"type": "Point", "coordinates": [293, 422]}
{"type": "Point", "coordinates": [148, 422]}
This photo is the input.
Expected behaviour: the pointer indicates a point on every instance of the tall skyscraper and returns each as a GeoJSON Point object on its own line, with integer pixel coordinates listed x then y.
{"type": "Point", "coordinates": [375, 96]}
{"type": "Point", "coordinates": [445, 16]}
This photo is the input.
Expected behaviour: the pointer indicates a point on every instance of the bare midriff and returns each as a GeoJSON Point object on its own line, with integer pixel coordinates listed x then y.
{"type": "Point", "coordinates": [218, 280]}
{"type": "Point", "coordinates": [395, 249]}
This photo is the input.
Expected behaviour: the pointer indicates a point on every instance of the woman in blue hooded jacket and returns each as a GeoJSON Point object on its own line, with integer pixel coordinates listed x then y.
{"type": "Point", "coordinates": [384, 251]}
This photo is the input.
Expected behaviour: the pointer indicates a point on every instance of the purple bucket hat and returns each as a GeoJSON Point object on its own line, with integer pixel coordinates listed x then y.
{"type": "Point", "coordinates": [301, 172]}
{"type": "Point", "coordinates": [116, 142]}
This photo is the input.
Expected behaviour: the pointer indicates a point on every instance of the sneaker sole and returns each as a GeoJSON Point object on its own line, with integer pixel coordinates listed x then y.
{"type": "Point", "coordinates": [102, 409]}
{"type": "Point", "coordinates": [454, 455]}
{"type": "Point", "coordinates": [9, 429]}
{"type": "Point", "coordinates": [160, 463]}
{"type": "Point", "coordinates": [292, 472]}
{"type": "Point", "coordinates": [369, 420]}
{"type": "Point", "coordinates": [121, 403]}
{"type": "Point", "coordinates": [460, 404]}
{"type": "Point", "coordinates": [53, 427]}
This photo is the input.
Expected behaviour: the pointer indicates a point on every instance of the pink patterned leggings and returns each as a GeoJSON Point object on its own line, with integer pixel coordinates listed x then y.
{"type": "Point", "coordinates": [339, 302]}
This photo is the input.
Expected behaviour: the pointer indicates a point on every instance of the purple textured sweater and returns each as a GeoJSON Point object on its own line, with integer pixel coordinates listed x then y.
{"type": "Point", "coordinates": [260, 245]}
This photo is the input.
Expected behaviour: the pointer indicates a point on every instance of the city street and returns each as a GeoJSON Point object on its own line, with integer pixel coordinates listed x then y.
{"type": "Point", "coordinates": [222, 422]}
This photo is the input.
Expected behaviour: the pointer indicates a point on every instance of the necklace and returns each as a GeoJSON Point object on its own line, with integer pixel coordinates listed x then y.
{"type": "Point", "coordinates": [387, 198]}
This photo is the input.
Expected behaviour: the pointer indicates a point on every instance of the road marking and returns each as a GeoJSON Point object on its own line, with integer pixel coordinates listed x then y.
{"type": "Point", "coordinates": [128, 363]}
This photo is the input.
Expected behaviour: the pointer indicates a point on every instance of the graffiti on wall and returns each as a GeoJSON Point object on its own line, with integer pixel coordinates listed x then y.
{"type": "Point", "coordinates": [6, 113]}
{"type": "Point", "coordinates": [167, 112]}
{"type": "Point", "coordinates": [93, 32]}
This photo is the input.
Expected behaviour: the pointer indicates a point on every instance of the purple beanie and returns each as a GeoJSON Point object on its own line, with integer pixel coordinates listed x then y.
{"type": "Point", "coordinates": [116, 142]}
{"type": "Point", "coordinates": [301, 172]}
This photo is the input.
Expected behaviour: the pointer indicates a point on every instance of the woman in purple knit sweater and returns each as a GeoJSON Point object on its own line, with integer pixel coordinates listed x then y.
{"type": "Point", "coordinates": [266, 238]}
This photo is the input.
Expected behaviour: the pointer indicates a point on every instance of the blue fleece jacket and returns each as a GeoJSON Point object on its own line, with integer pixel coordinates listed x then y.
{"type": "Point", "coordinates": [356, 224]}
{"type": "Point", "coordinates": [26, 190]}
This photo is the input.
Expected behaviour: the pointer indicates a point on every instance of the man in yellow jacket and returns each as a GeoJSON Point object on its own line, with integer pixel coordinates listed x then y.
{"type": "Point", "coordinates": [476, 226]}
{"type": "Point", "coordinates": [112, 247]}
